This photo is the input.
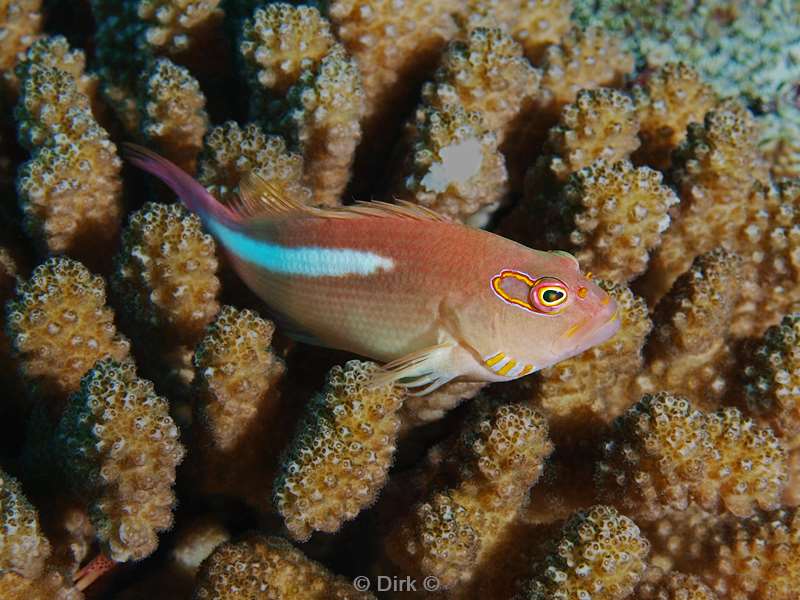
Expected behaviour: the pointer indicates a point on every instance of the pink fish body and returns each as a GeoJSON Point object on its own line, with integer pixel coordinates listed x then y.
{"type": "Point", "coordinates": [434, 299]}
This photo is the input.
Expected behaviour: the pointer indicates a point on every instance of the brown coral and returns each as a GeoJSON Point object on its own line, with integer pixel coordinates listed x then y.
{"type": "Point", "coordinates": [165, 273]}
{"type": "Point", "coordinates": [270, 567]}
{"type": "Point", "coordinates": [454, 165]}
{"type": "Point", "coordinates": [600, 124]}
{"type": "Point", "coordinates": [322, 120]}
{"type": "Point", "coordinates": [236, 369]}
{"type": "Point", "coordinates": [676, 586]}
{"type": "Point", "coordinates": [688, 352]}
{"type": "Point", "coordinates": [453, 533]}
{"type": "Point", "coordinates": [23, 546]}
{"type": "Point", "coordinates": [715, 171]}
{"type": "Point", "coordinates": [231, 152]}
{"type": "Point", "coordinates": [601, 555]}
{"type": "Point", "coordinates": [174, 26]}
{"type": "Point", "coordinates": [60, 327]}
{"type": "Point", "coordinates": [341, 454]}
{"type": "Point", "coordinates": [20, 23]}
{"type": "Point", "coordinates": [592, 388]}
{"type": "Point", "coordinates": [611, 216]}
{"type": "Point", "coordinates": [769, 243]}
{"type": "Point", "coordinates": [391, 40]}
{"type": "Point", "coordinates": [671, 98]}
{"type": "Point", "coordinates": [119, 449]}
{"type": "Point", "coordinates": [174, 119]}
{"type": "Point", "coordinates": [70, 190]}
{"type": "Point", "coordinates": [488, 74]}
{"type": "Point", "coordinates": [50, 586]}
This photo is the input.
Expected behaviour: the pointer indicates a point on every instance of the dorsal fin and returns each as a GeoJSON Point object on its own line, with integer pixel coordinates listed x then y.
{"type": "Point", "coordinates": [260, 198]}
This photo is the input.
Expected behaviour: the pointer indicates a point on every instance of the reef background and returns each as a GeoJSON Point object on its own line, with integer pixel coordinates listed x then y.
{"type": "Point", "coordinates": [162, 438]}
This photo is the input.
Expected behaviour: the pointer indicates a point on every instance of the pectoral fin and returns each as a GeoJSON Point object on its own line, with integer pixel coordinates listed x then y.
{"type": "Point", "coordinates": [428, 369]}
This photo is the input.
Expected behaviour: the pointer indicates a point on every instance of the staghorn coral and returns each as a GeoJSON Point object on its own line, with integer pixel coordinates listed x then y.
{"type": "Point", "coordinates": [454, 165]}
{"type": "Point", "coordinates": [688, 352]}
{"type": "Point", "coordinates": [669, 99]}
{"type": "Point", "coordinates": [60, 326]}
{"type": "Point", "coordinates": [23, 547]}
{"type": "Point", "coordinates": [768, 242]}
{"type": "Point", "coordinates": [174, 119]}
{"type": "Point", "coordinates": [20, 23]}
{"type": "Point", "coordinates": [70, 189]}
{"type": "Point", "coordinates": [601, 555]}
{"type": "Point", "coordinates": [611, 215]}
{"type": "Point", "coordinates": [535, 24]}
{"type": "Point", "coordinates": [341, 453]}
{"type": "Point", "coordinates": [600, 124]}
{"type": "Point", "coordinates": [230, 152]}
{"type": "Point", "coordinates": [269, 567]}
{"type": "Point", "coordinates": [454, 532]}
{"type": "Point", "coordinates": [715, 168]}
{"type": "Point", "coordinates": [593, 387]}
{"type": "Point", "coordinates": [392, 41]}
{"type": "Point", "coordinates": [119, 448]}
{"type": "Point", "coordinates": [236, 369]}
{"type": "Point", "coordinates": [664, 453]}
{"type": "Point", "coordinates": [485, 73]}
{"type": "Point", "coordinates": [322, 121]}
{"type": "Point", "coordinates": [769, 387]}
{"type": "Point", "coordinates": [175, 26]}
{"type": "Point", "coordinates": [165, 273]}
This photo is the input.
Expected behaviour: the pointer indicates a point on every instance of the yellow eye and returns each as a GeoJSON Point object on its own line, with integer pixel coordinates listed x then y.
{"type": "Point", "coordinates": [551, 296]}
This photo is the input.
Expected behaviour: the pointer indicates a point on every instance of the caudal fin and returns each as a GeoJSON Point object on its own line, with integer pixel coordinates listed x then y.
{"type": "Point", "coordinates": [191, 193]}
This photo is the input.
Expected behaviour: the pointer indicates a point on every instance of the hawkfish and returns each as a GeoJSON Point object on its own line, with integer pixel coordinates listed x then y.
{"type": "Point", "coordinates": [432, 299]}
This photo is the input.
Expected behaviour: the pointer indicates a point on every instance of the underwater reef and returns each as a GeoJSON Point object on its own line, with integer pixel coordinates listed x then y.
{"type": "Point", "coordinates": [163, 439]}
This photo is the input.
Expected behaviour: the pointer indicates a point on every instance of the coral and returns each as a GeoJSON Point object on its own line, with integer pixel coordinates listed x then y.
{"type": "Point", "coordinates": [716, 166]}
{"type": "Point", "coordinates": [231, 152]}
{"type": "Point", "coordinates": [322, 121]}
{"type": "Point", "coordinates": [269, 567]}
{"type": "Point", "coordinates": [50, 586]}
{"type": "Point", "coordinates": [174, 26]}
{"type": "Point", "coordinates": [664, 453]}
{"type": "Point", "coordinates": [600, 124]}
{"type": "Point", "coordinates": [60, 326]}
{"type": "Point", "coordinates": [669, 99]}
{"type": "Point", "coordinates": [23, 547]}
{"type": "Point", "coordinates": [768, 242]}
{"type": "Point", "coordinates": [341, 453]}
{"type": "Point", "coordinates": [392, 40]}
{"type": "Point", "coordinates": [165, 273]}
{"type": "Point", "coordinates": [601, 555]}
{"type": "Point", "coordinates": [486, 73]}
{"type": "Point", "coordinates": [119, 448]}
{"type": "Point", "coordinates": [235, 370]}
{"type": "Point", "coordinates": [534, 24]}
{"type": "Point", "coordinates": [611, 216]}
{"type": "Point", "coordinates": [676, 586]}
{"type": "Point", "coordinates": [498, 458]}
{"type": "Point", "coordinates": [174, 120]}
{"type": "Point", "coordinates": [431, 407]}
{"type": "Point", "coordinates": [70, 189]}
{"type": "Point", "coordinates": [780, 133]}
{"type": "Point", "coordinates": [592, 388]}
{"type": "Point", "coordinates": [454, 165]}
{"type": "Point", "coordinates": [281, 41]}
{"type": "Point", "coordinates": [770, 380]}
{"type": "Point", "coordinates": [688, 352]}
{"type": "Point", "coordinates": [20, 23]}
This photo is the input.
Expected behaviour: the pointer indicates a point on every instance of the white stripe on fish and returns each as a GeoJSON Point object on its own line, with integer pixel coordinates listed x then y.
{"type": "Point", "coordinates": [308, 261]}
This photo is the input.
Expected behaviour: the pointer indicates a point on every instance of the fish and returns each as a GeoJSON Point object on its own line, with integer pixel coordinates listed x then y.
{"type": "Point", "coordinates": [431, 299]}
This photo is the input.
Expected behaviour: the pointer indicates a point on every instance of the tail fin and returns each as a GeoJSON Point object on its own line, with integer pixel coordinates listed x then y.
{"type": "Point", "coordinates": [191, 193]}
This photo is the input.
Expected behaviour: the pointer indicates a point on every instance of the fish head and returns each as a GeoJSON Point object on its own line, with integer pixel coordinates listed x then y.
{"type": "Point", "coordinates": [555, 311]}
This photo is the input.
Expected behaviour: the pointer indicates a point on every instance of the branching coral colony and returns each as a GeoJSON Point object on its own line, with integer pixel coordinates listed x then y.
{"type": "Point", "coordinates": [656, 144]}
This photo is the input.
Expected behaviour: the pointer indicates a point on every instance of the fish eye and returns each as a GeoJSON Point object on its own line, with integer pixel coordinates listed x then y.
{"type": "Point", "coordinates": [547, 294]}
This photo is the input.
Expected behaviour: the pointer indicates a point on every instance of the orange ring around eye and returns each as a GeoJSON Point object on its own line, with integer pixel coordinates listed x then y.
{"type": "Point", "coordinates": [540, 292]}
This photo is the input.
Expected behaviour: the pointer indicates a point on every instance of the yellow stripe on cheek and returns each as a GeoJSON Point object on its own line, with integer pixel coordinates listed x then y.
{"type": "Point", "coordinates": [507, 367]}
{"type": "Point", "coordinates": [572, 330]}
{"type": "Point", "coordinates": [495, 359]}
{"type": "Point", "coordinates": [527, 369]}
